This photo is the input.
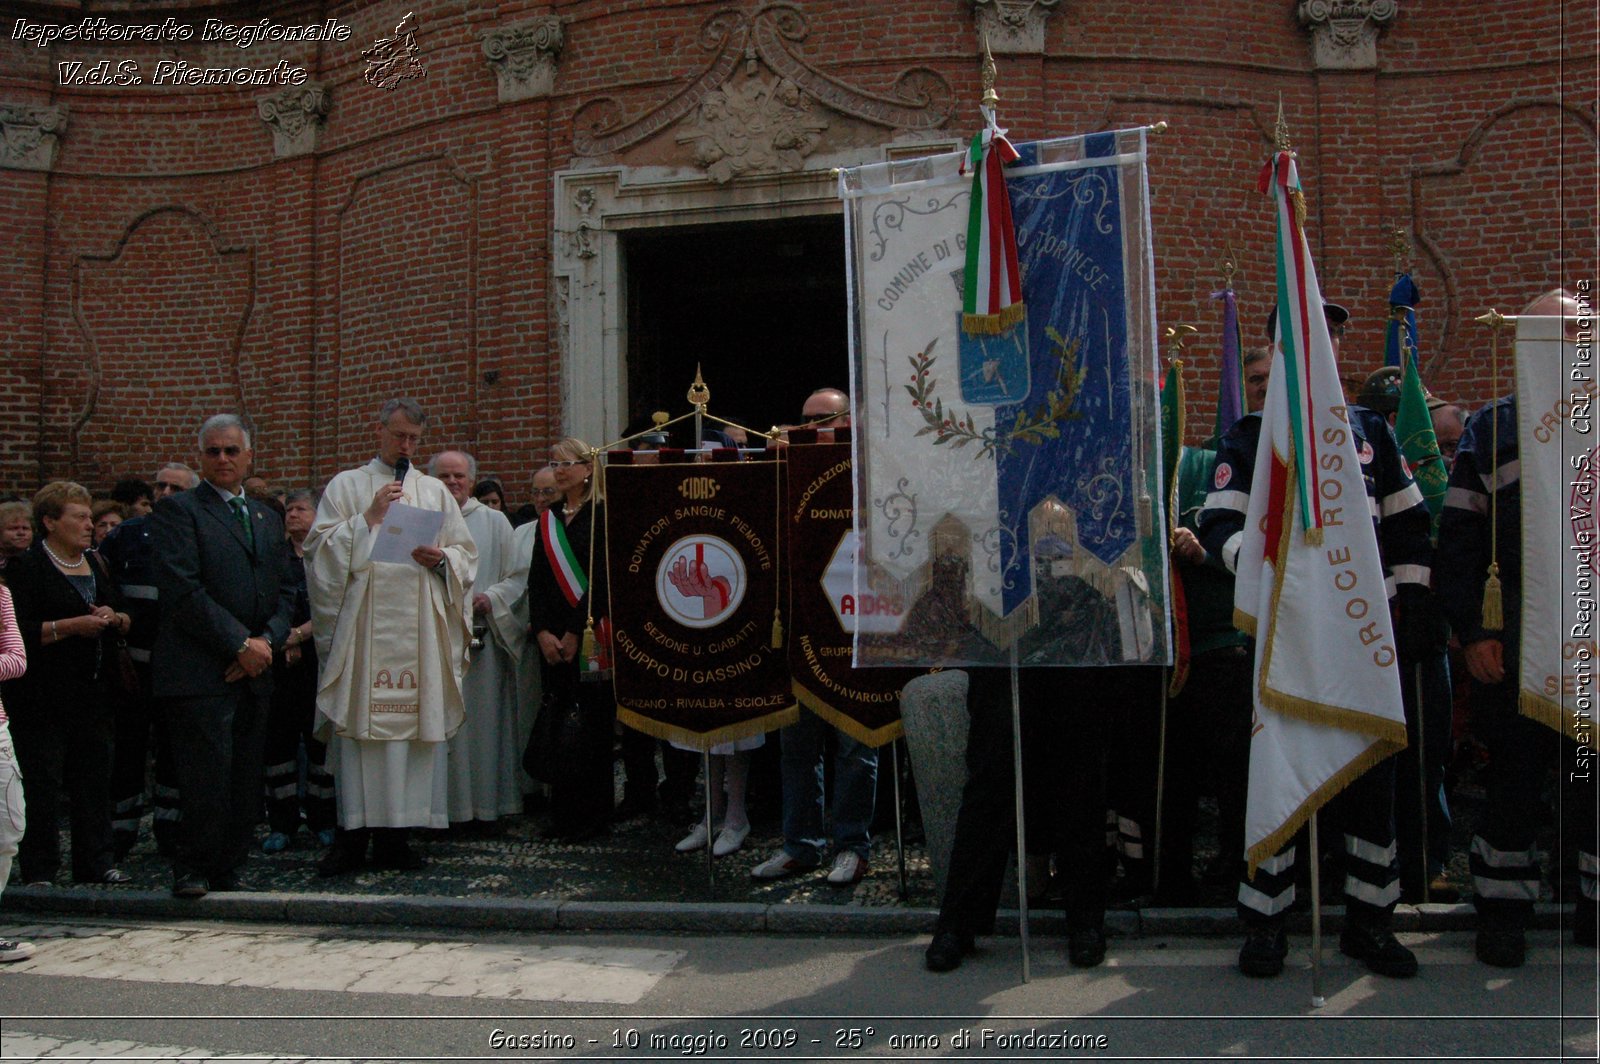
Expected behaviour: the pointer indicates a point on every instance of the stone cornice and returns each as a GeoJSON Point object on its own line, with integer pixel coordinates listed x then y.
{"type": "Point", "coordinates": [1344, 33]}
{"type": "Point", "coordinates": [523, 56]}
{"type": "Point", "coordinates": [29, 135]}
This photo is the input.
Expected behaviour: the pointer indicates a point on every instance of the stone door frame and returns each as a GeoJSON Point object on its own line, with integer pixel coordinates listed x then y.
{"type": "Point", "coordinates": [593, 209]}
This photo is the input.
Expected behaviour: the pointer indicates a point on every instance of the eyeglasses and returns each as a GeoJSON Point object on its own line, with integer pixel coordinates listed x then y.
{"type": "Point", "coordinates": [566, 463]}
{"type": "Point", "coordinates": [216, 452]}
{"type": "Point", "coordinates": [547, 491]}
{"type": "Point", "coordinates": [405, 437]}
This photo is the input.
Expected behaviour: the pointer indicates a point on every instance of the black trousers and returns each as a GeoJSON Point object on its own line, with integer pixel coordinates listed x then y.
{"type": "Point", "coordinates": [291, 725]}
{"type": "Point", "coordinates": [1065, 724]}
{"type": "Point", "coordinates": [585, 803]}
{"type": "Point", "coordinates": [217, 743]}
{"type": "Point", "coordinates": [1506, 867]}
{"type": "Point", "coordinates": [141, 727]}
{"type": "Point", "coordinates": [66, 748]}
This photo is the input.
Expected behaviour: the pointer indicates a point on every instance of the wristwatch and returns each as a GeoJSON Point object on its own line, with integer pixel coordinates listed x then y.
{"type": "Point", "coordinates": [242, 647]}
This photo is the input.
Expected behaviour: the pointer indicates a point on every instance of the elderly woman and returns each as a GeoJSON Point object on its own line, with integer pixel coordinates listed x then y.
{"type": "Point", "coordinates": [16, 530]}
{"type": "Point", "coordinates": [70, 614]}
{"type": "Point", "coordinates": [106, 514]}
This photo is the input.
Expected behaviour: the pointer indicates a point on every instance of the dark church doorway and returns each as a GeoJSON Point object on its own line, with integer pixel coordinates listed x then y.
{"type": "Point", "coordinates": [760, 307]}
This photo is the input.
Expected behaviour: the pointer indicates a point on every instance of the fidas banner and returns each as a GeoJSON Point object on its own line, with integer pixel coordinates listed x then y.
{"type": "Point", "coordinates": [694, 562]}
{"type": "Point", "coordinates": [827, 605]}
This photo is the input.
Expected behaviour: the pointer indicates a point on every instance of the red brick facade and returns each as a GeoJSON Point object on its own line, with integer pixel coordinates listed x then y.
{"type": "Point", "coordinates": [167, 263]}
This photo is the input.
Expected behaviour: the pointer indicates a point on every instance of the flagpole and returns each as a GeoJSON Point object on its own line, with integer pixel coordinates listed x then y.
{"type": "Point", "coordinates": [1022, 849]}
{"type": "Point", "coordinates": [1317, 1000]}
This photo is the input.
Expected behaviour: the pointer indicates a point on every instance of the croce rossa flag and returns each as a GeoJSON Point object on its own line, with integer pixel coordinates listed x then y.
{"type": "Point", "coordinates": [694, 563]}
{"type": "Point", "coordinates": [1310, 582]}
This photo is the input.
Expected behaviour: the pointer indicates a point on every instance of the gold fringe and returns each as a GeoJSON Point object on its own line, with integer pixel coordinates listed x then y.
{"type": "Point", "coordinates": [1276, 841]}
{"type": "Point", "coordinates": [1004, 631]}
{"type": "Point", "coordinates": [844, 722]}
{"type": "Point", "coordinates": [993, 324]}
{"type": "Point", "coordinates": [1298, 198]}
{"type": "Point", "coordinates": [1494, 614]}
{"type": "Point", "coordinates": [1313, 537]}
{"type": "Point", "coordinates": [1244, 622]}
{"type": "Point", "coordinates": [1552, 715]}
{"type": "Point", "coordinates": [641, 722]}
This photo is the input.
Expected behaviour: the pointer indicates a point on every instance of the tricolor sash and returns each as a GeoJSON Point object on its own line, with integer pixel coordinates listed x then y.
{"type": "Point", "coordinates": [563, 561]}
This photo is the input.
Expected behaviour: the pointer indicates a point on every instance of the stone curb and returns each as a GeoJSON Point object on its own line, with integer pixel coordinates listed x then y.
{"type": "Point", "coordinates": [698, 917]}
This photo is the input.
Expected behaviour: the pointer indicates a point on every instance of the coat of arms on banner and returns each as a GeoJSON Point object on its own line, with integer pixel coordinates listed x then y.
{"type": "Point", "coordinates": [1006, 458]}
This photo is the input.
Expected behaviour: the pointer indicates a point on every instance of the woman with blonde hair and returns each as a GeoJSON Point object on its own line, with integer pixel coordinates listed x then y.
{"type": "Point", "coordinates": [560, 590]}
{"type": "Point", "coordinates": [70, 614]}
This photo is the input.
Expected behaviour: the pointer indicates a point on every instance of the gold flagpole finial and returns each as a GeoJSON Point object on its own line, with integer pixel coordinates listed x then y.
{"type": "Point", "coordinates": [1493, 319]}
{"type": "Point", "coordinates": [1179, 334]}
{"type": "Point", "coordinates": [990, 98]}
{"type": "Point", "coordinates": [1280, 129]}
{"type": "Point", "coordinates": [1228, 266]}
{"type": "Point", "coordinates": [1400, 248]}
{"type": "Point", "coordinates": [699, 394]}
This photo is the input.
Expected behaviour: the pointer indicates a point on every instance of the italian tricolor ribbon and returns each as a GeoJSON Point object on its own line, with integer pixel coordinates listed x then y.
{"type": "Point", "coordinates": [563, 562]}
{"type": "Point", "coordinates": [991, 298]}
{"type": "Point", "coordinates": [1282, 180]}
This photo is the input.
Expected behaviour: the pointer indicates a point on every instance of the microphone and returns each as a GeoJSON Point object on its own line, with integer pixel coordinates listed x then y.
{"type": "Point", "coordinates": [402, 466]}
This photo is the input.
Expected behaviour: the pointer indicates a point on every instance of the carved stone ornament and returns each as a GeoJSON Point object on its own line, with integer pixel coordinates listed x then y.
{"type": "Point", "coordinates": [295, 116]}
{"type": "Point", "coordinates": [1013, 26]}
{"type": "Point", "coordinates": [922, 98]}
{"type": "Point", "coordinates": [28, 135]}
{"type": "Point", "coordinates": [758, 123]}
{"type": "Point", "coordinates": [523, 56]}
{"type": "Point", "coordinates": [1344, 33]}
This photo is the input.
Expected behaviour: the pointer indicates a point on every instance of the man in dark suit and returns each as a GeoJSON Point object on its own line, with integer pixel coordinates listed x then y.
{"type": "Point", "coordinates": [221, 566]}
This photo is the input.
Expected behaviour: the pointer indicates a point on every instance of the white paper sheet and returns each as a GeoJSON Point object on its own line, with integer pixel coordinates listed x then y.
{"type": "Point", "coordinates": [404, 529]}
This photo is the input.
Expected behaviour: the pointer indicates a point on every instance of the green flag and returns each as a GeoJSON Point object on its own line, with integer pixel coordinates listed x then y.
{"type": "Point", "coordinates": [1413, 427]}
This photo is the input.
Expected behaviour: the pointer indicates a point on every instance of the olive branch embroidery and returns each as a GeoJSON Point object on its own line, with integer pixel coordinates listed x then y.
{"type": "Point", "coordinates": [1032, 426]}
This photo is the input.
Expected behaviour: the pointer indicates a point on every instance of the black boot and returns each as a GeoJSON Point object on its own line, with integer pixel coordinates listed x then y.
{"type": "Point", "coordinates": [347, 854]}
{"type": "Point", "coordinates": [1375, 946]}
{"type": "Point", "coordinates": [391, 851]}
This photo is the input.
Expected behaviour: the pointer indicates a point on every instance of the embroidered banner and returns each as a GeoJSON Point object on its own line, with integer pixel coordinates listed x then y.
{"type": "Point", "coordinates": [693, 560]}
{"type": "Point", "coordinates": [1009, 491]}
{"type": "Point", "coordinates": [826, 607]}
{"type": "Point", "coordinates": [1560, 485]}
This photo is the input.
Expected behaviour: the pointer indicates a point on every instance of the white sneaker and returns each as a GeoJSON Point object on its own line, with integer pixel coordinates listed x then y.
{"type": "Point", "coordinates": [729, 840]}
{"type": "Point", "coordinates": [781, 864]}
{"type": "Point", "coordinates": [695, 840]}
{"type": "Point", "coordinates": [848, 868]}
{"type": "Point", "coordinates": [15, 951]}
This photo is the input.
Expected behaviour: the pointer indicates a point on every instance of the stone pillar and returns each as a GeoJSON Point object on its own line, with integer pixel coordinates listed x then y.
{"type": "Point", "coordinates": [295, 116]}
{"type": "Point", "coordinates": [1352, 204]}
{"type": "Point", "coordinates": [934, 709]}
{"type": "Point", "coordinates": [523, 57]}
{"type": "Point", "coordinates": [1012, 26]}
{"type": "Point", "coordinates": [29, 135]}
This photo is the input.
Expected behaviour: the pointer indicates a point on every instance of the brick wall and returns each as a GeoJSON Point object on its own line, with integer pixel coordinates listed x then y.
{"type": "Point", "coordinates": [170, 265]}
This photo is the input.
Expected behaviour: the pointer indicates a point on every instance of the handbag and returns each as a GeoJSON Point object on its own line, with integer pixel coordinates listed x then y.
{"type": "Point", "coordinates": [569, 735]}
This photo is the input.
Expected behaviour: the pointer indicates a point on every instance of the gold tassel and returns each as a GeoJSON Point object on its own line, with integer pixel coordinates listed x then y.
{"type": "Point", "coordinates": [1313, 537]}
{"type": "Point", "coordinates": [1494, 617]}
{"type": "Point", "coordinates": [777, 630]}
{"type": "Point", "coordinates": [587, 653]}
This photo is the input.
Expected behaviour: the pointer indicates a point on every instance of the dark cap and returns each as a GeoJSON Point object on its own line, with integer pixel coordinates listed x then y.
{"type": "Point", "coordinates": [1332, 313]}
{"type": "Point", "coordinates": [1381, 392]}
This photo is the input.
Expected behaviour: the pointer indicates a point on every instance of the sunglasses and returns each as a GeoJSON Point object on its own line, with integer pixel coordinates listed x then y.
{"type": "Point", "coordinates": [217, 452]}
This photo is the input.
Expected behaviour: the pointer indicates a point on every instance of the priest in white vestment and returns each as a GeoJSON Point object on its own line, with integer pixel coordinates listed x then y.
{"type": "Point", "coordinates": [484, 756]}
{"type": "Point", "coordinates": [392, 641]}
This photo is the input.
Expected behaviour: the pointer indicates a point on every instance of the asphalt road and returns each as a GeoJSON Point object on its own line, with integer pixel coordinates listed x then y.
{"type": "Point", "coordinates": [194, 989]}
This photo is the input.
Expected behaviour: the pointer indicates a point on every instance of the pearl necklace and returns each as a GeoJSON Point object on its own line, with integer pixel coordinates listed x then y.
{"type": "Point", "coordinates": [60, 560]}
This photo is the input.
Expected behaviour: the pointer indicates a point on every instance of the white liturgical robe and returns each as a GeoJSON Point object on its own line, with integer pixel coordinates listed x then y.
{"type": "Point", "coordinates": [392, 645]}
{"type": "Point", "coordinates": [484, 755]}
